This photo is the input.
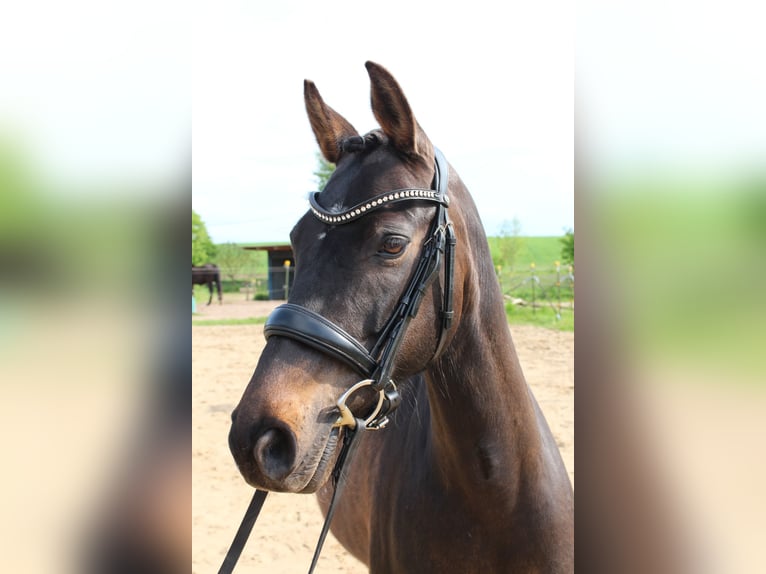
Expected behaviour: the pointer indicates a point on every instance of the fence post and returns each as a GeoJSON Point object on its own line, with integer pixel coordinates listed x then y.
{"type": "Point", "coordinates": [558, 289]}
{"type": "Point", "coordinates": [532, 266]}
{"type": "Point", "coordinates": [287, 279]}
{"type": "Point", "coordinates": [571, 278]}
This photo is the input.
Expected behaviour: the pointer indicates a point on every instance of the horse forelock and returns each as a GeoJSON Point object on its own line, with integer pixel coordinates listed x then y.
{"type": "Point", "coordinates": [365, 143]}
{"type": "Point", "coordinates": [369, 166]}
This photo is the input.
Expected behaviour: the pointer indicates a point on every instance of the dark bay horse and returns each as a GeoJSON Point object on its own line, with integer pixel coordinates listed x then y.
{"type": "Point", "coordinates": [466, 476]}
{"type": "Point", "coordinates": [209, 275]}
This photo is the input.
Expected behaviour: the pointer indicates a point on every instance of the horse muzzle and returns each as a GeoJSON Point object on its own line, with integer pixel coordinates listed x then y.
{"type": "Point", "coordinates": [271, 456]}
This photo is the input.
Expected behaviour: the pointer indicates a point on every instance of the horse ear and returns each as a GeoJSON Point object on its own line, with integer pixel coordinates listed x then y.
{"type": "Point", "coordinates": [330, 128]}
{"type": "Point", "coordinates": [395, 116]}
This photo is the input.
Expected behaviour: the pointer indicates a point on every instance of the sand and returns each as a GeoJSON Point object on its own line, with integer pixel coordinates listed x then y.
{"type": "Point", "coordinates": [283, 540]}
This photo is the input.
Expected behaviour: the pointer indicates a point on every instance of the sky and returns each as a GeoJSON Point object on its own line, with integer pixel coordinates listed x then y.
{"type": "Point", "coordinates": [97, 91]}
{"type": "Point", "coordinates": [672, 86]}
{"type": "Point", "coordinates": [137, 93]}
{"type": "Point", "coordinates": [491, 85]}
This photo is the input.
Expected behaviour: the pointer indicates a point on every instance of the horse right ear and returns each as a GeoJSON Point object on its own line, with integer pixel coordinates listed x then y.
{"type": "Point", "coordinates": [330, 128]}
{"type": "Point", "coordinates": [393, 112]}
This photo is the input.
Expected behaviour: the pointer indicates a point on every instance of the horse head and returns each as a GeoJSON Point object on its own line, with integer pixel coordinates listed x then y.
{"type": "Point", "coordinates": [353, 268]}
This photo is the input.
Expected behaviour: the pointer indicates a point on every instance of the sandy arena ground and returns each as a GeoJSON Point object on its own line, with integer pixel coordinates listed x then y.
{"type": "Point", "coordinates": [283, 540]}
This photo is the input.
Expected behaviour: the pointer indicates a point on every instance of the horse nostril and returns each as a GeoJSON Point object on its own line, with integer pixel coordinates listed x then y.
{"type": "Point", "coordinates": [275, 452]}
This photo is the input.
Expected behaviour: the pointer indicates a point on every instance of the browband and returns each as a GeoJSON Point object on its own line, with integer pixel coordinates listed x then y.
{"type": "Point", "coordinates": [396, 196]}
{"type": "Point", "coordinates": [437, 194]}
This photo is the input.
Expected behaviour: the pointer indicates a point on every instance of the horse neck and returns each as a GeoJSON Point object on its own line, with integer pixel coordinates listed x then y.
{"type": "Point", "coordinates": [478, 396]}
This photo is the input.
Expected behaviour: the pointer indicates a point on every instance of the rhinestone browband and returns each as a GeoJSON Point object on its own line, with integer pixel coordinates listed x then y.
{"type": "Point", "coordinates": [361, 209]}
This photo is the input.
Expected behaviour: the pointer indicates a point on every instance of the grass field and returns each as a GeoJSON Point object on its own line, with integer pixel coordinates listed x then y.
{"type": "Point", "coordinates": [542, 251]}
{"type": "Point", "coordinates": [515, 278]}
{"type": "Point", "coordinates": [544, 316]}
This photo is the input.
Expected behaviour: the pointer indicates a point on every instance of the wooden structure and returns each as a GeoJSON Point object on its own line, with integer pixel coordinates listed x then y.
{"type": "Point", "coordinates": [281, 268]}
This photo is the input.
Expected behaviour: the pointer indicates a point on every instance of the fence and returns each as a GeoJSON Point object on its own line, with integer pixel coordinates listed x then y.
{"type": "Point", "coordinates": [275, 283]}
{"type": "Point", "coordinates": [536, 287]}
{"type": "Point", "coordinates": [531, 286]}
{"type": "Point", "coordinates": [251, 287]}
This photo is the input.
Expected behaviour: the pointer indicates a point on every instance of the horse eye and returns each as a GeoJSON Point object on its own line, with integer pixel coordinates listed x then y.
{"type": "Point", "coordinates": [393, 245]}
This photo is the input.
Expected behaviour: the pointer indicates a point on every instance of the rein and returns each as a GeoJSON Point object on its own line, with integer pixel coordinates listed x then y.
{"type": "Point", "coordinates": [376, 366]}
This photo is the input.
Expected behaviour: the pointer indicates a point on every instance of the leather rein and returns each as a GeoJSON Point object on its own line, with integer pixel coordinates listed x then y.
{"type": "Point", "coordinates": [376, 365]}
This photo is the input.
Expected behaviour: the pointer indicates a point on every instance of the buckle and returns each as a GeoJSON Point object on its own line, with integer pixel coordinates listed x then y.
{"type": "Point", "coordinates": [388, 400]}
{"type": "Point", "coordinates": [346, 417]}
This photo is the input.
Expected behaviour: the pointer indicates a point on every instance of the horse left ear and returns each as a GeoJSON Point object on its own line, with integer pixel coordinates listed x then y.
{"type": "Point", "coordinates": [395, 116]}
{"type": "Point", "coordinates": [330, 128]}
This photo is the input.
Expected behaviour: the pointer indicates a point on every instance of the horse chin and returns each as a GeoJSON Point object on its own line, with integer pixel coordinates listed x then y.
{"type": "Point", "coordinates": [319, 472]}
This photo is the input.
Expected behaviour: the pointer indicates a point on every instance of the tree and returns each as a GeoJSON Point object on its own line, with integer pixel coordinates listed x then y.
{"type": "Point", "coordinates": [231, 259]}
{"type": "Point", "coordinates": [509, 244]}
{"type": "Point", "coordinates": [567, 247]}
{"type": "Point", "coordinates": [203, 250]}
{"type": "Point", "coordinates": [323, 172]}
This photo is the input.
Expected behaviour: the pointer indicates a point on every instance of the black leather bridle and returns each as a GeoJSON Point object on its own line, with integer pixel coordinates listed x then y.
{"type": "Point", "coordinates": [377, 364]}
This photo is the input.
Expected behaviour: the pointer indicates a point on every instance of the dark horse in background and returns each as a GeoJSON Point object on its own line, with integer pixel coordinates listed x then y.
{"type": "Point", "coordinates": [467, 476]}
{"type": "Point", "coordinates": [208, 274]}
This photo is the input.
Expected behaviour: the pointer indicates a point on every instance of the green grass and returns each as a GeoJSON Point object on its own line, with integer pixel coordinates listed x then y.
{"type": "Point", "coordinates": [542, 251]}
{"type": "Point", "coordinates": [212, 322]}
{"type": "Point", "coordinates": [201, 294]}
{"type": "Point", "coordinates": [514, 258]}
{"type": "Point", "coordinates": [258, 263]}
{"type": "Point", "coordinates": [515, 280]}
{"type": "Point", "coordinates": [540, 317]}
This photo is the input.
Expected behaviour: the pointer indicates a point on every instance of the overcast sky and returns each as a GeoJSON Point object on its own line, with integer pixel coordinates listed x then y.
{"type": "Point", "coordinates": [96, 91]}
{"type": "Point", "coordinates": [491, 84]}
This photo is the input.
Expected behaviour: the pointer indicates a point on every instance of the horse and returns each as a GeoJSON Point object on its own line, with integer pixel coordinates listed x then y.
{"type": "Point", "coordinates": [466, 475]}
{"type": "Point", "coordinates": [208, 274]}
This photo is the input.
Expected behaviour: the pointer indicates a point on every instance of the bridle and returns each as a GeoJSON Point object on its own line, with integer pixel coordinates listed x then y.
{"type": "Point", "coordinates": [376, 365]}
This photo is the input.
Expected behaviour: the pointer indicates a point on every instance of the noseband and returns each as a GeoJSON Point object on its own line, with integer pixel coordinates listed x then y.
{"type": "Point", "coordinates": [376, 365]}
